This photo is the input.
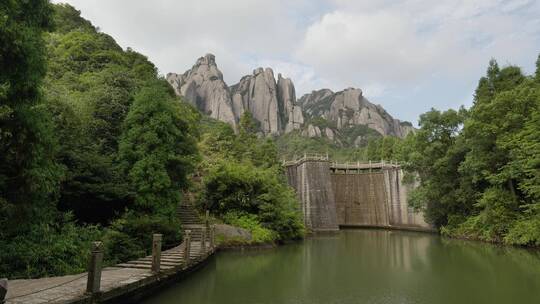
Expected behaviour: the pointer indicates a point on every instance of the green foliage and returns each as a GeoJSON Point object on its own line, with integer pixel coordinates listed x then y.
{"type": "Point", "coordinates": [385, 148]}
{"type": "Point", "coordinates": [242, 174]}
{"type": "Point", "coordinates": [60, 134]}
{"type": "Point", "coordinates": [244, 188]}
{"type": "Point", "coordinates": [349, 143]}
{"type": "Point", "coordinates": [130, 236]}
{"type": "Point", "coordinates": [293, 145]}
{"type": "Point", "coordinates": [479, 169]}
{"type": "Point", "coordinates": [157, 149]}
{"type": "Point", "coordinates": [29, 174]}
{"type": "Point", "coordinates": [66, 18]}
{"type": "Point", "coordinates": [55, 248]}
{"type": "Point", "coordinates": [251, 222]}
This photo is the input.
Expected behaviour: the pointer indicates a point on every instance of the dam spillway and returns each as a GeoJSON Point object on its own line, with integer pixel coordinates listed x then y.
{"type": "Point", "coordinates": [334, 195]}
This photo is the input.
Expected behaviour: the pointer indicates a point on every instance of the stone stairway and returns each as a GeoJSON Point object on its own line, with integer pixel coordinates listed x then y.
{"type": "Point", "coordinates": [175, 257]}
{"type": "Point", "coordinates": [190, 219]}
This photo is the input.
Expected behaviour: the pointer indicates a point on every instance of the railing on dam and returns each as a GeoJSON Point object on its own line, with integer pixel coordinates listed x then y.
{"type": "Point", "coordinates": [306, 157]}
{"type": "Point", "coordinates": [337, 167]}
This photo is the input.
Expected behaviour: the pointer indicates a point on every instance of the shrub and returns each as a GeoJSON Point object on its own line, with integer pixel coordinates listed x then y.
{"type": "Point", "coordinates": [48, 250]}
{"type": "Point", "coordinates": [251, 222]}
{"type": "Point", "coordinates": [131, 236]}
{"type": "Point", "coordinates": [244, 188]}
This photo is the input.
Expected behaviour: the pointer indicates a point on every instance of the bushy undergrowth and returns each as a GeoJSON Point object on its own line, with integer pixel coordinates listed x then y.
{"type": "Point", "coordinates": [243, 180]}
{"type": "Point", "coordinates": [251, 222]}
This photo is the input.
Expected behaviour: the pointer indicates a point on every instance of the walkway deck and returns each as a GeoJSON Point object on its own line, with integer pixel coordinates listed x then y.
{"type": "Point", "coordinates": [115, 281]}
{"type": "Point", "coordinates": [121, 280]}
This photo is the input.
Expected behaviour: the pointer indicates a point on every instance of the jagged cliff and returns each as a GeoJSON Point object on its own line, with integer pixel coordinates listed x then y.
{"type": "Point", "coordinates": [273, 104]}
{"type": "Point", "coordinates": [349, 108]}
{"type": "Point", "coordinates": [204, 87]}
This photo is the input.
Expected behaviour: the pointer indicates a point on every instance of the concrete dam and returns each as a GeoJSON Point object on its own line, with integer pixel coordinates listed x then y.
{"type": "Point", "coordinates": [336, 195]}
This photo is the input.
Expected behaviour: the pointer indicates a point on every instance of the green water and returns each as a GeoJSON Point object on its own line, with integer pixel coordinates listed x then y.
{"type": "Point", "coordinates": [365, 266]}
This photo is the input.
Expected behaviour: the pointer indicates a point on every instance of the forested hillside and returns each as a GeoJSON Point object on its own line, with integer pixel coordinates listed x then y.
{"type": "Point", "coordinates": [96, 146]}
{"type": "Point", "coordinates": [479, 168]}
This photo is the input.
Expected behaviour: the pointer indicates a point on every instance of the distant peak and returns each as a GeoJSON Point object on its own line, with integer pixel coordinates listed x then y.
{"type": "Point", "coordinates": [208, 59]}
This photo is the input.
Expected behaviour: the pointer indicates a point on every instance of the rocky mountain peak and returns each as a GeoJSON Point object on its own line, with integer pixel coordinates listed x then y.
{"type": "Point", "coordinates": [349, 108]}
{"type": "Point", "coordinates": [203, 86]}
{"type": "Point", "coordinates": [274, 105]}
{"type": "Point", "coordinates": [208, 59]}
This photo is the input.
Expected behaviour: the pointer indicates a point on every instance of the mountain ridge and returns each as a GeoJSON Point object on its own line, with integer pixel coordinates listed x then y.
{"type": "Point", "coordinates": [273, 103]}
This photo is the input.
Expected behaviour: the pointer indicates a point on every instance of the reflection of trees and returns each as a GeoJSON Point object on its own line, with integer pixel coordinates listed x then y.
{"type": "Point", "coordinates": [366, 266]}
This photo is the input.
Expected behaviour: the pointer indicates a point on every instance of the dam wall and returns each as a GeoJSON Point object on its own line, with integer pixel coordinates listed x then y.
{"type": "Point", "coordinates": [375, 199]}
{"type": "Point", "coordinates": [353, 195]}
{"type": "Point", "coordinates": [313, 185]}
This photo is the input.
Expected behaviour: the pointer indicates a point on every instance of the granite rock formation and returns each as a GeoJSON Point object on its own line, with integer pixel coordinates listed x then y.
{"type": "Point", "coordinates": [274, 105]}
{"type": "Point", "coordinates": [292, 118]}
{"type": "Point", "coordinates": [350, 108]}
{"type": "Point", "coordinates": [204, 87]}
{"type": "Point", "coordinates": [257, 93]}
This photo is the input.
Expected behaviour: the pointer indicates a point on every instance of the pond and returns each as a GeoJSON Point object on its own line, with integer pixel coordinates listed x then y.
{"type": "Point", "coordinates": [365, 266]}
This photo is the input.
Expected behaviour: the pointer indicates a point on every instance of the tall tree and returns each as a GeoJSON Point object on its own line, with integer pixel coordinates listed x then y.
{"type": "Point", "coordinates": [537, 74]}
{"type": "Point", "coordinates": [28, 172]}
{"type": "Point", "coordinates": [158, 148]}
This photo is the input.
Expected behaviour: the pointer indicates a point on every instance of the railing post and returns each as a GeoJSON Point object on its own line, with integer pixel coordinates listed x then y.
{"type": "Point", "coordinates": [212, 236]}
{"type": "Point", "coordinates": [206, 217]}
{"type": "Point", "coordinates": [94, 268]}
{"type": "Point", "coordinates": [203, 240]}
{"type": "Point", "coordinates": [3, 289]}
{"type": "Point", "coordinates": [187, 240]}
{"type": "Point", "coordinates": [156, 252]}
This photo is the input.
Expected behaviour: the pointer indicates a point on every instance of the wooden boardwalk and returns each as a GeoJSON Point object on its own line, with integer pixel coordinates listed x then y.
{"type": "Point", "coordinates": [119, 281]}
{"type": "Point", "coordinates": [115, 281]}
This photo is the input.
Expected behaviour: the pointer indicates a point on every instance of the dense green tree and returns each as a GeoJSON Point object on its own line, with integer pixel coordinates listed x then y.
{"type": "Point", "coordinates": [537, 73]}
{"type": "Point", "coordinates": [478, 169]}
{"type": "Point", "coordinates": [158, 149]}
{"type": "Point", "coordinates": [242, 188]}
{"type": "Point", "coordinates": [92, 82]}
{"type": "Point", "coordinates": [436, 164]}
{"type": "Point", "coordinates": [60, 133]}
{"type": "Point", "coordinates": [28, 171]}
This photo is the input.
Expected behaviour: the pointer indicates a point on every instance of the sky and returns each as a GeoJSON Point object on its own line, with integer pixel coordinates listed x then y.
{"type": "Point", "coordinates": [407, 55]}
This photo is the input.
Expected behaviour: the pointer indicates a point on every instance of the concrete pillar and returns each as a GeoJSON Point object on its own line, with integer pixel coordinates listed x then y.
{"type": "Point", "coordinates": [3, 289]}
{"type": "Point", "coordinates": [187, 240]}
{"type": "Point", "coordinates": [203, 241]}
{"type": "Point", "coordinates": [93, 283]}
{"type": "Point", "coordinates": [156, 252]}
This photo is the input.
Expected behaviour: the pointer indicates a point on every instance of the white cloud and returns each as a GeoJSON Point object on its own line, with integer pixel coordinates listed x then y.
{"type": "Point", "coordinates": [398, 52]}
{"type": "Point", "coordinates": [175, 33]}
{"type": "Point", "coordinates": [404, 42]}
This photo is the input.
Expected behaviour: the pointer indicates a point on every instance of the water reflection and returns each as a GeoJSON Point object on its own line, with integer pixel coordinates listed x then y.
{"type": "Point", "coordinates": [366, 266]}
